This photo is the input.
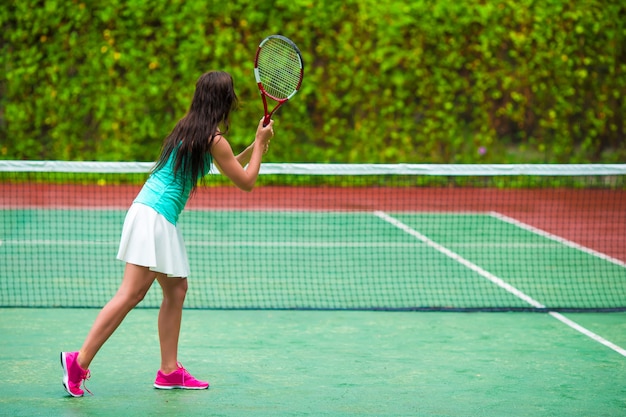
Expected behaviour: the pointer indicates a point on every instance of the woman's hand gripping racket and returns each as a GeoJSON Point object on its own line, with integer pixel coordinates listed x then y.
{"type": "Point", "coordinates": [278, 70]}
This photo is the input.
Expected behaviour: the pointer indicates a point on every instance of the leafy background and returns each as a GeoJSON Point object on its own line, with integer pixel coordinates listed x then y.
{"type": "Point", "coordinates": [440, 81]}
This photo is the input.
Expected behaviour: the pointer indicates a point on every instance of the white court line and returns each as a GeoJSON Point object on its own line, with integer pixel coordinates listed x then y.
{"type": "Point", "coordinates": [43, 242]}
{"type": "Point", "coordinates": [340, 244]}
{"type": "Point", "coordinates": [587, 332]}
{"type": "Point", "coordinates": [556, 238]}
{"type": "Point", "coordinates": [270, 244]}
{"type": "Point", "coordinates": [498, 281]}
{"type": "Point", "coordinates": [305, 244]}
{"type": "Point", "coordinates": [506, 245]}
{"type": "Point", "coordinates": [199, 243]}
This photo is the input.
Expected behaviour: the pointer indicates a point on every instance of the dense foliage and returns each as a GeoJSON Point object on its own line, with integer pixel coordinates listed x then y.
{"type": "Point", "coordinates": [397, 81]}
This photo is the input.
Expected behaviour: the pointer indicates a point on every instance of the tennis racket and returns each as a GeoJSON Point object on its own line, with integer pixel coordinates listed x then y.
{"type": "Point", "coordinates": [278, 70]}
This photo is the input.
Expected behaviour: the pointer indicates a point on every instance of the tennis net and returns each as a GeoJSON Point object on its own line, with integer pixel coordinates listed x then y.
{"type": "Point", "coordinates": [331, 236]}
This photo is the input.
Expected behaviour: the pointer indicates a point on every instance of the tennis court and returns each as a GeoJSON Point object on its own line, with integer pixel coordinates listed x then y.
{"type": "Point", "coordinates": [384, 300]}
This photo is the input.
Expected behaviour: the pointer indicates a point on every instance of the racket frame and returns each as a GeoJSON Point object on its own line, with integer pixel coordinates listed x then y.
{"type": "Point", "coordinates": [257, 76]}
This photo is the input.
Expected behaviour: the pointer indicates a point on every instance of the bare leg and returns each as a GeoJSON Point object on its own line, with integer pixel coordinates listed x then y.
{"type": "Point", "coordinates": [170, 316]}
{"type": "Point", "coordinates": [135, 284]}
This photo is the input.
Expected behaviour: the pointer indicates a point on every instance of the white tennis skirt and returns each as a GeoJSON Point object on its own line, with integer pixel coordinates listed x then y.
{"type": "Point", "coordinates": [148, 239]}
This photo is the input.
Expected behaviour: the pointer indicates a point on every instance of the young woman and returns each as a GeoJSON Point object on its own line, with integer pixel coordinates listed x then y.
{"type": "Point", "coordinates": [152, 245]}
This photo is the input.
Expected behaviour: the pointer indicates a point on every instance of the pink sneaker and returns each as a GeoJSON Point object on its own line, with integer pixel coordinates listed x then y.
{"type": "Point", "coordinates": [180, 378]}
{"type": "Point", "coordinates": [73, 374]}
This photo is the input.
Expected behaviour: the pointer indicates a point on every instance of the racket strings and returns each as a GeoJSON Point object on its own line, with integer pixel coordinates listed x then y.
{"type": "Point", "coordinates": [280, 68]}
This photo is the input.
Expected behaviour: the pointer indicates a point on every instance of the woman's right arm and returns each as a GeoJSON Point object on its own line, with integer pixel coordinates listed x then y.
{"type": "Point", "coordinates": [232, 166]}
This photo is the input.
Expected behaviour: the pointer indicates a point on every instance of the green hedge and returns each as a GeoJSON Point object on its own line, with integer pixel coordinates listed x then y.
{"type": "Point", "coordinates": [397, 81]}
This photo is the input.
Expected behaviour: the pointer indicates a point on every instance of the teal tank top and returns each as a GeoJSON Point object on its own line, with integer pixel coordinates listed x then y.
{"type": "Point", "coordinates": [167, 193]}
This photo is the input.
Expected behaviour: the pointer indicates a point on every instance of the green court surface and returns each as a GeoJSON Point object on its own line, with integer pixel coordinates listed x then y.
{"type": "Point", "coordinates": [323, 363]}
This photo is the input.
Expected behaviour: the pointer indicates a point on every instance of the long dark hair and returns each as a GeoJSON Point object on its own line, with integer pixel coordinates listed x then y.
{"type": "Point", "coordinates": [191, 138]}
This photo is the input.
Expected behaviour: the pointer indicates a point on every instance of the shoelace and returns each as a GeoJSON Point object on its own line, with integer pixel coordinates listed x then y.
{"type": "Point", "coordinates": [186, 375]}
{"type": "Point", "coordinates": [84, 377]}
{"type": "Point", "coordinates": [185, 372]}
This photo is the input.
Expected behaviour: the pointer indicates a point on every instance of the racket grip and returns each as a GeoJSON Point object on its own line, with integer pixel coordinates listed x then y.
{"type": "Point", "coordinates": [266, 120]}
